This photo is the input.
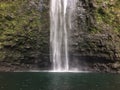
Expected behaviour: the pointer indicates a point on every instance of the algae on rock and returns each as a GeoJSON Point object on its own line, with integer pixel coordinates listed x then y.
{"type": "Point", "coordinates": [24, 32]}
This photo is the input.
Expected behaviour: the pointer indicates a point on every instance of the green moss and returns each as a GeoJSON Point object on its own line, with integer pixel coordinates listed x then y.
{"type": "Point", "coordinates": [5, 5]}
{"type": "Point", "coordinates": [2, 56]}
{"type": "Point", "coordinates": [94, 30]}
{"type": "Point", "coordinates": [107, 13]}
{"type": "Point", "coordinates": [21, 29]}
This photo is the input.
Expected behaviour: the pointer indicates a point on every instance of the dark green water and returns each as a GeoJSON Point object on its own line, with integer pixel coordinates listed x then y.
{"type": "Point", "coordinates": [59, 81]}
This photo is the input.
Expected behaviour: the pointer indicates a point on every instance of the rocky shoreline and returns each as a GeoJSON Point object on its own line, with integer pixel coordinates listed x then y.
{"type": "Point", "coordinates": [5, 67]}
{"type": "Point", "coordinates": [84, 64]}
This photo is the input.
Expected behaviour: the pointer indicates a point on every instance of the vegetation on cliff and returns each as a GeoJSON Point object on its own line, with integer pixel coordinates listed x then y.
{"type": "Point", "coordinates": [23, 31]}
{"type": "Point", "coordinates": [99, 39]}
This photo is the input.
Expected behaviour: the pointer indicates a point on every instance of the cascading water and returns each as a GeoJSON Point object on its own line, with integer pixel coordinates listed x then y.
{"type": "Point", "coordinates": [60, 23]}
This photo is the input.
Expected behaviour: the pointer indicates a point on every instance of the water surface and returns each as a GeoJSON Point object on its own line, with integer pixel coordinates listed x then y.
{"type": "Point", "coordinates": [59, 81]}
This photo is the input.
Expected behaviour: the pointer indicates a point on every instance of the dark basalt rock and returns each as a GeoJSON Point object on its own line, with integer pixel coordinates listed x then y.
{"type": "Point", "coordinates": [96, 35]}
{"type": "Point", "coordinates": [94, 38]}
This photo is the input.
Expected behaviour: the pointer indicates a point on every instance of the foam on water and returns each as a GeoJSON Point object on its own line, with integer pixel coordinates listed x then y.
{"type": "Point", "coordinates": [53, 71]}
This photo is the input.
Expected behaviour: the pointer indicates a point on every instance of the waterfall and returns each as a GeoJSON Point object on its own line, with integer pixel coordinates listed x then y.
{"type": "Point", "coordinates": [60, 24]}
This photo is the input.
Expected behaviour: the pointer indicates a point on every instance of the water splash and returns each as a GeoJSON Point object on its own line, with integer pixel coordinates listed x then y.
{"type": "Point", "coordinates": [60, 23]}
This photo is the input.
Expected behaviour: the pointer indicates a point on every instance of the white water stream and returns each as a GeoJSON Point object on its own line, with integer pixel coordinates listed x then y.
{"type": "Point", "coordinates": [61, 12]}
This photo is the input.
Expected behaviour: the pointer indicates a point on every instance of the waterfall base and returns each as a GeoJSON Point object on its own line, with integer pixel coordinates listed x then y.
{"type": "Point", "coordinates": [51, 71]}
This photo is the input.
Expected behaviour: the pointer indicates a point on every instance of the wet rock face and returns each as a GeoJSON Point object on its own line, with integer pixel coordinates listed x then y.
{"type": "Point", "coordinates": [24, 33]}
{"type": "Point", "coordinates": [94, 39]}
{"type": "Point", "coordinates": [96, 34]}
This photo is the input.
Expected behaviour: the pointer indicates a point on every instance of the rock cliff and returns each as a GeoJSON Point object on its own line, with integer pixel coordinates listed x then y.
{"type": "Point", "coordinates": [24, 34]}
{"type": "Point", "coordinates": [94, 39]}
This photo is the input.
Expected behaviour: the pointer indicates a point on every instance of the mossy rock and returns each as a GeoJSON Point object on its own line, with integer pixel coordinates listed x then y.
{"type": "Point", "coordinates": [22, 31]}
